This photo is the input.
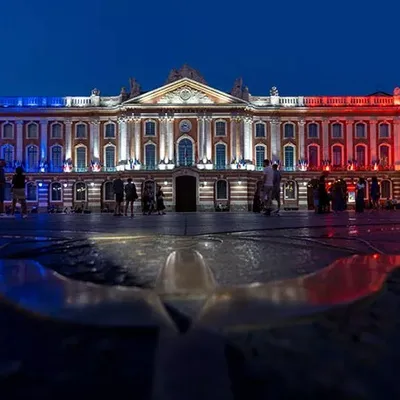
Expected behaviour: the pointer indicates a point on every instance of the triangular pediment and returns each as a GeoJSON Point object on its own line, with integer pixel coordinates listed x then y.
{"type": "Point", "coordinates": [185, 91]}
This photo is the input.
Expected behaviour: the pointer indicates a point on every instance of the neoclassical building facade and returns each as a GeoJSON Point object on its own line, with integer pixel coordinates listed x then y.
{"type": "Point", "coordinates": [205, 147]}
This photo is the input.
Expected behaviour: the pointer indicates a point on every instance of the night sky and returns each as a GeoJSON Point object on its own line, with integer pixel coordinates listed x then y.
{"type": "Point", "coordinates": [308, 47]}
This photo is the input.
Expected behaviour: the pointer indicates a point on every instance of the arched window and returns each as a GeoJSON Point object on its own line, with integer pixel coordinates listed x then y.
{"type": "Point", "coordinates": [55, 191]}
{"type": "Point", "coordinates": [81, 163]}
{"type": "Point", "coordinates": [80, 132]}
{"type": "Point", "coordinates": [386, 189]}
{"type": "Point", "coordinates": [384, 131]}
{"type": "Point", "coordinates": [8, 131]}
{"type": "Point", "coordinates": [221, 190]}
{"type": "Point", "coordinates": [56, 131]}
{"type": "Point", "coordinates": [289, 158]}
{"type": "Point", "coordinates": [313, 130]}
{"type": "Point", "coordinates": [150, 155]}
{"type": "Point", "coordinates": [80, 191]}
{"type": "Point", "coordinates": [185, 152]}
{"type": "Point", "coordinates": [260, 156]}
{"type": "Point", "coordinates": [360, 130]}
{"type": "Point", "coordinates": [384, 154]}
{"type": "Point", "coordinates": [313, 159]}
{"type": "Point", "coordinates": [109, 132]}
{"type": "Point", "coordinates": [7, 192]}
{"type": "Point", "coordinates": [109, 156]}
{"type": "Point", "coordinates": [337, 156]}
{"type": "Point", "coordinates": [150, 128]}
{"type": "Point", "coordinates": [108, 191]}
{"type": "Point", "coordinates": [337, 130]}
{"type": "Point", "coordinates": [220, 156]}
{"type": "Point", "coordinates": [260, 130]}
{"type": "Point", "coordinates": [220, 128]}
{"type": "Point", "coordinates": [56, 158]}
{"type": "Point", "coordinates": [289, 131]}
{"type": "Point", "coordinates": [360, 155]}
{"type": "Point", "coordinates": [32, 157]}
{"type": "Point", "coordinates": [32, 131]}
{"type": "Point", "coordinates": [290, 190]}
{"type": "Point", "coordinates": [7, 153]}
{"type": "Point", "coordinates": [31, 191]}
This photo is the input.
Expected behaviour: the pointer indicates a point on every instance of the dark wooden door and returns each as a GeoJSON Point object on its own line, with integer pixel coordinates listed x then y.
{"type": "Point", "coordinates": [185, 194]}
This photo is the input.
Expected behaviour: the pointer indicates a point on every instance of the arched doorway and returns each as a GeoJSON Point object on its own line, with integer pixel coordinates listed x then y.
{"type": "Point", "coordinates": [185, 193]}
{"type": "Point", "coordinates": [310, 193]}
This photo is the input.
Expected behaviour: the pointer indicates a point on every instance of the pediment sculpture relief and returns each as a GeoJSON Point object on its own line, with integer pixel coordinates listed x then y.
{"type": "Point", "coordinates": [185, 95]}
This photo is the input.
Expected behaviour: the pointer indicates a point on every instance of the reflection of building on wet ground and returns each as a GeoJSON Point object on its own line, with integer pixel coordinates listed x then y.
{"type": "Point", "coordinates": [203, 146]}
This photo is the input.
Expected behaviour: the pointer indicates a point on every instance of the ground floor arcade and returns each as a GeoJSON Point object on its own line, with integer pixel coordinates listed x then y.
{"type": "Point", "coordinates": [187, 189]}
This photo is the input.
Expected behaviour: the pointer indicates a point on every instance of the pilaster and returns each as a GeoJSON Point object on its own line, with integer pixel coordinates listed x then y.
{"type": "Point", "coordinates": [396, 143]}
{"type": "Point", "coordinates": [20, 141]}
{"type": "Point", "coordinates": [68, 139]}
{"type": "Point", "coordinates": [302, 145]}
{"type": "Point", "coordinates": [94, 140]}
{"type": "Point", "coordinates": [373, 140]}
{"type": "Point", "coordinates": [43, 139]}
{"type": "Point", "coordinates": [325, 139]}
{"type": "Point", "coordinates": [122, 140]}
{"type": "Point", "coordinates": [349, 139]}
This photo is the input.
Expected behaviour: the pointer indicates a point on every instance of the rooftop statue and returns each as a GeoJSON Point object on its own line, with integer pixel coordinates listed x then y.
{"type": "Point", "coordinates": [135, 88]}
{"type": "Point", "coordinates": [239, 90]}
{"type": "Point", "coordinates": [185, 72]}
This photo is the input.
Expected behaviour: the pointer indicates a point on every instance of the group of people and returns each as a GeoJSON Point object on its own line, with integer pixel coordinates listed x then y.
{"type": "Point", "coordinates": [128, 192]}
{"type": "Point", "coordinates": [268, 191]}
{"type": "Point", "coordinates": [336, 195]}
{"type": "Point", "coordinates": [18, 190]}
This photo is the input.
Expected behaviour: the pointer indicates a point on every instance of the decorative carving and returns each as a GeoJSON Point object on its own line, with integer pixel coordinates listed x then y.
{"type": "Point", "coordinates": [185, 95]}
{"type": "Point", "coordinates": [134, 88]}
{"type": "Point", "coordinates": [274, 91]}
{"type": "Point", "coordinates": [185, 72]}
{"type": "Point", "coordinates": [95, 92]}
{"type": "Point", "coordinates": [396, 91]}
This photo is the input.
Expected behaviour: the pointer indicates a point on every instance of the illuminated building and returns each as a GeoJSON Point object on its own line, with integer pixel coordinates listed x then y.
{"type": "Point", "coordinates": [205, 147]}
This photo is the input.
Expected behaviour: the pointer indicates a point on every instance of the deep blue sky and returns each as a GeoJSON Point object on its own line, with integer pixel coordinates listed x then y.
{"type": "Point", "coordinates": [51, 47]}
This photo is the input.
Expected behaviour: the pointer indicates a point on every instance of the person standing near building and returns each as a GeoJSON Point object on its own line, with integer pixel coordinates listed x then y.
{"type": "Point", "coordinates": [268, 185]}
{"type": "Point", "coordinates": [130, 196]}
{"type": "Point", "coordinates": [18, 191]}
{"type": "Point", "coordinates": [118, 187]}
{"type": "Point", "coordinates": [276, 191]}
{"type": "Point", "coordinates": [2, 186]}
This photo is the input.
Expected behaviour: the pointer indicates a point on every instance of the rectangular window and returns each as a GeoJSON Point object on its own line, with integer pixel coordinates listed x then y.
{"type": "Point", "coordinates": [110, 131]}
{"type": "Point", "coordinates": [220, 128]}
{"type": "Point", "coordinates": [336, 131]}
{"type": "Point", "coordinates": [289, 158]}
{"type": "Point", "coordinates": [384, 131]}
{"type": "Point", "coordinates": [260, 130]}
{"type": "Point", "coordinates": [220, 156]}
{"type": "Point", "coordinates": [313, 130]}
{"type": "Point", "coordinates": [81, 131]}
{"type": "Point", "coordinates": [150, 156]}
{"type": "Point", "coordinates": [260, 157]}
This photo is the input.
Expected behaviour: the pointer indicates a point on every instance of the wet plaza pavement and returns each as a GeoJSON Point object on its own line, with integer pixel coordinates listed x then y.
{"type": "Point", "coordinates": [344, 353]}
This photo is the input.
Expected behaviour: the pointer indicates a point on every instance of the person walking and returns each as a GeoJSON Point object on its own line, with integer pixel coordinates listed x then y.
{"type": "Point", "coordinates": [160, 201]}
{"type": "Point", "coordinates": [130, 196]}
{"type": "Point", "coordinates": [268, 185]}
{"type": "Point", "coordinates": [375, 193]}
{"type": "Point", "coordinates": [118, 187]}
{"type": "Point", "coordinates": [360, 195]}
{"type": "Point", "coordinates": [276, 191]}
{"type": "Point", "coordinates": [18, 192]}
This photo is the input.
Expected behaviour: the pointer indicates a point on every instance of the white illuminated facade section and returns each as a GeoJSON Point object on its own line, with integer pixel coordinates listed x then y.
{"type": "Point", "coordinates": [136, 133]}
{"type": "Point", "coordinates": [43, 139]}
{"type": "Point", "coordinates": [68, 140]}
{"type": "Point", "coordinates": [163, 136]}
{"type": "Point", "coordinates": [248, 142]}
{"type": "Point", "coordinates": [123, 143]}
{"type": "Point", "coordinates": [170, 138]}
{"type": "Point", "coordinates": [208, 138]}
{"type": "Point", "coordinates": [20, 140]}
{"type": "Point", "coordinates": [95, 140]}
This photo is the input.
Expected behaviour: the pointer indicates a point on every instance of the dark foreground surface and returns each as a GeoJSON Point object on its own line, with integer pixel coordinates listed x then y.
{"type": "Point", "coordinates": [347, 353]}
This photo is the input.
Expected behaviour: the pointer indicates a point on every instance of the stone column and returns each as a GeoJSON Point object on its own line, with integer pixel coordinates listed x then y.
{"type": "Point", "coordinates": [275, 130]}
{"type": "Point", "coordinates": [94, 140]}
{"type": "Point", "coordinates": [239, 154]}
{"type": "Point", "coordinates": [43, 140]}
{"type": "Point", "coordinates": [170, 136]}
{"type": "Point", "coordinates": [248, 139]}
{"type": "Point", "coordinates": [325, 139]}
{"type": "Point", "coordinates": [302, 144]}
{"type": "Point", "coordinates": [233, 140]}
{"type": "Point", "coordinates": [138, 142]}
{"type": "Point", "coordinates": [200, 137]}
{"type": "Point", "coordinates": [122, 140]}
{"type": "Point", "coordinates": [373, 140]}
{"type": "Point", "coordinates": [20, 141]}
{"type": "Point", "coordinates": [68, 139]}
{"type": "Point", "coordinates": [128, 139]}
{"type": "Point", "coordinates": [208, 138]}
{"type": "Point", "coordinates": [396, 143]}
{"type": "Point", "coordinates": [349, 140]}
{"type": "Point", "coordinates": [163, 138]}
